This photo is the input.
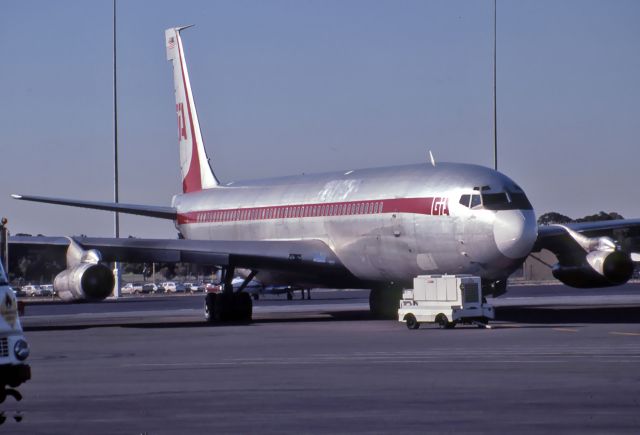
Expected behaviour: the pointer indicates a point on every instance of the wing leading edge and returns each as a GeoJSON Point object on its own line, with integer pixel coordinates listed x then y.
{"type": "Point", "coordinates": [141, 210]}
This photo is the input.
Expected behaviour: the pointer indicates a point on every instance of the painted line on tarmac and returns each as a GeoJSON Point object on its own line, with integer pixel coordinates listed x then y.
{"type": "Point", "coordinates": [634, 334]}
{"type": "Point", "coordinates": [565, 329]}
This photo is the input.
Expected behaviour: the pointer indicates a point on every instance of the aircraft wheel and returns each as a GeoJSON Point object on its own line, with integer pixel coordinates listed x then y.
{"type": "Point", "coordinates": [224, 308]}
{"type": "Point", "coordinates": [412, 322]}
{"type": "Point", "coordinates": [289, 296]}
{"type": "Point", "coordinates": [243, 307]}
{"type": "Point", "coordinates": [210, 307]}
{"type": "Point", "coordinates": [383, 302]}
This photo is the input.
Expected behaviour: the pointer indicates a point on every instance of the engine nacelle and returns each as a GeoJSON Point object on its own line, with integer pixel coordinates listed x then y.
{"type": "Point", "coordinates": [86, 281]}
{"type": "Point", "coordinates": [600, 269]}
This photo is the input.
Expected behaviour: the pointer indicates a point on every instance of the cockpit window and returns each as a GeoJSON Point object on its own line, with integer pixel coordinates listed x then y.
{"type": "Point", "coordinates": [495, 201]}
{"type": "Point", "coordinates": [520, 201]}
{"type": "Point", "coordinates": [510, 200]}
{"type": "Point", "coordinates": [471, 201]}
{"type": "Point", "coordinates": [475, 201]}
{"type": "Point", "coordinates": [464, 200]}
{"type": "Point", "coordinates": [506, 201]}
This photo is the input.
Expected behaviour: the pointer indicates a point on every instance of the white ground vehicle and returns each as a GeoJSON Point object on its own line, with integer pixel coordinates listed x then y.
{"type": "Point", "coordinates": [31, 290]}
{"type": "Point", "coordinates": [445, 300]}
{"type": "Point", "coordinates": [131, 288]}
{"type": "Point", "coordinates": [173, 287]}
{"type": "Point", "coordinates": [14, 349]}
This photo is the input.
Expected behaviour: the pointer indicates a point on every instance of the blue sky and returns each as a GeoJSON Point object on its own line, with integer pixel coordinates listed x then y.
{"type": "Point", "coordinates": [286, 87]}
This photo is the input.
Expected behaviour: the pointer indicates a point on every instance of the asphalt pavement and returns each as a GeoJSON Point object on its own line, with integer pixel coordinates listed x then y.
{"type": "Point", "coordinates": [150, 365]}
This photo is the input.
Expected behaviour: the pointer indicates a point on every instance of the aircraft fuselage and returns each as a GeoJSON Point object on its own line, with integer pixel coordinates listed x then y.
{"type": "Point", "coordinates": [385, 225]}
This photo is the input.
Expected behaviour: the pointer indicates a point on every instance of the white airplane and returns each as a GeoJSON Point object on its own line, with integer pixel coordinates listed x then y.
{"type": "Point", "coordinates": [372, 228]}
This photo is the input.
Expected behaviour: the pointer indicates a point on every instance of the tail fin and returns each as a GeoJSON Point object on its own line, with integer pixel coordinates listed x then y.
{"type": "Point", "coordinates": [194, 163]}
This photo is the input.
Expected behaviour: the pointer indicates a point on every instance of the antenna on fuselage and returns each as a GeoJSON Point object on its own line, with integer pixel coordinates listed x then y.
{"type": "Point", "coordinates": [433, 161]}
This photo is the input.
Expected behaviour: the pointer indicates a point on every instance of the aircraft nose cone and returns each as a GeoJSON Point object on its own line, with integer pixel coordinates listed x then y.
{"type": "Point", "coordinates": [515, 232]}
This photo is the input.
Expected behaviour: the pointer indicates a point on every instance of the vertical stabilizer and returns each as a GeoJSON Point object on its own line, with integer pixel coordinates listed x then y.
{"type": "Point", "coordinates": [194, 164]}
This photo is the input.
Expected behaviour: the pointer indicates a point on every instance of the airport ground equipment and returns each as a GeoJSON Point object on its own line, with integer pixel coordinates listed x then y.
{"type": "Point", "coordinates": [14, 349]}
{"type": "Point", "coordinates": [445, 300]}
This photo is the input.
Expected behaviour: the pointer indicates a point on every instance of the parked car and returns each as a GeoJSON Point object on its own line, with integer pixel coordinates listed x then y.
{"type": "Point", "coordinates": [131, 288]}
{"type": "Point", "coordinates": [211, 287]}
{"type": "Point", "coordinates": [172, 287]}
{"type": "Point", "coordinates": [193, 287]}
{"type": "Point", "coordinates": [46, 290]}
{"type": "Point", "coordinates": [19, 292]}
{"type": "Point", "coordinates": [150, 288]}
{"type": "Point", "coordinates": [31, 290]}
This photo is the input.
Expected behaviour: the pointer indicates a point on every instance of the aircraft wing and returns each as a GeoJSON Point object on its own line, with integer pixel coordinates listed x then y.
{"type": "Point", "coordinates": [140, 210]}
{"type": "Point", "coordinates": [561, 239]}
{"type": "Point", "coordinates": [299, 256]}
{"type": "Point", "coordinates": [592, 254]}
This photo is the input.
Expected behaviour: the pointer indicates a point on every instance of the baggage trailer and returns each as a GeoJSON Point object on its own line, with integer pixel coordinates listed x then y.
{"type": "Point", "coordinates": [446, 300]}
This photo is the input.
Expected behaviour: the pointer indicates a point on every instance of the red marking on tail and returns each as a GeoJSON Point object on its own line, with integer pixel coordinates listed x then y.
{"type": "Point", "coordinates": [192, 182]}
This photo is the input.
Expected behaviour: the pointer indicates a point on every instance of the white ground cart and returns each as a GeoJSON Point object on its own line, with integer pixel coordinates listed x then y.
{"type": "Point", "coordinates": [445, 300]}
{"type": "Point", "coordinates": [14, 349]}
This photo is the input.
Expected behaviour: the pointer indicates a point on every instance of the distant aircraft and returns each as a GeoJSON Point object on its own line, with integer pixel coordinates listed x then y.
{"type": "Point", "coordinates": [367, 228]}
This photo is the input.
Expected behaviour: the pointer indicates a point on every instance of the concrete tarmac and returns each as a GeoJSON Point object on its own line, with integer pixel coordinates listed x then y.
{"type": "Point", "coordinates": [149, 365]}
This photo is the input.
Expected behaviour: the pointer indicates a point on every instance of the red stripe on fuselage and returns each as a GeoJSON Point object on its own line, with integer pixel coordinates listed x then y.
{"type": "Point", "coordinates": [437, 206]}
{"type": "Point", "coordinates": [192, 182]}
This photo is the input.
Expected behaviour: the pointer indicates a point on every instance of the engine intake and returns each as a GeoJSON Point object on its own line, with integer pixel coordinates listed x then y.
{"type": "Point", "coordinates": [85, 277]}
{"type": "Point", "coordinates": [87, 281]}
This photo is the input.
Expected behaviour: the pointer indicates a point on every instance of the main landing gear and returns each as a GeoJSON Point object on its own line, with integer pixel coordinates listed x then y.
{"type": "Point", "coordinates": [384, 302]}
{"type": "Point", "coordinates": [230, 305]}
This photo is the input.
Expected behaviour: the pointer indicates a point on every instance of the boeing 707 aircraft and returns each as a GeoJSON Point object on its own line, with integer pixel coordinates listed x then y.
{"type": "Point", "coordinates": [373, 228]}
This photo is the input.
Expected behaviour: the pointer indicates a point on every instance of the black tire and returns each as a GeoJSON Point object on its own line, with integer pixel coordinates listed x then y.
{"type": "Point", "coordinates": [210, 307]}
{"type": "Point", "coordinates": [384, 302]}
{"type": "Point", "coordinates": [243, 307]}
{"type": "Point", "coordinates": [442, 320]}
{"type": "Point", "coordinates": [224, 309]}
{"type": "Point", "coordinates": [412, 322]}
{"type": "Point", "coordinates": [289, 296]}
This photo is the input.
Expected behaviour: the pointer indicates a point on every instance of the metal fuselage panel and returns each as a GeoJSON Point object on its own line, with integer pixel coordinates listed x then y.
{"type": "Point", "coordinates": [385, 225]}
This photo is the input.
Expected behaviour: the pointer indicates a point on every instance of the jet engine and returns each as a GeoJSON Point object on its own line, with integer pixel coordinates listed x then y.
{"type": "Point", "coordinates": [85, 277]}
{"type": "Point", "coordinates": [86, 281]}
{"type": "Point", "coordinates": [600, 269]}
{"type": "Point", "coordinates": [604, 265]}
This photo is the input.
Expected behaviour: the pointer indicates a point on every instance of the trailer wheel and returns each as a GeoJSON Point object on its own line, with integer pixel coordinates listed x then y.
{"type": "Point", "coordinates": [412, 322]}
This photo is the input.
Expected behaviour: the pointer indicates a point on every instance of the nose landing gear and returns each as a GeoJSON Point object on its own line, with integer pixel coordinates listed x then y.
{"type": "Point", "coordinates": [494, 288]}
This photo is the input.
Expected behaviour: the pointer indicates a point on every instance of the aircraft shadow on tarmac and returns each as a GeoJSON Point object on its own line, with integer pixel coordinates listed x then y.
{"type": "Point", "coordinates": [536, 317]}
{"type": "Point", "coordinates": [539, 315]}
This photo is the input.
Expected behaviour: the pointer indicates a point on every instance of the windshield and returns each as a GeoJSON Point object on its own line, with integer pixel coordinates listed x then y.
{"type": "Point", "coordinates": [513, 199]}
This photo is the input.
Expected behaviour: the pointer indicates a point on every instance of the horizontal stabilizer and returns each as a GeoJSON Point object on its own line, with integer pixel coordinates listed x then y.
{"type": "Point", "coordinates": [141, 210]}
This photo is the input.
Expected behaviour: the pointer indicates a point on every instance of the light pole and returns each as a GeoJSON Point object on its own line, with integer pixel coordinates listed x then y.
{"type": "Point", "coordinates": [495, 106]}
{"type": "Point", "coordinates": [116, 223]}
